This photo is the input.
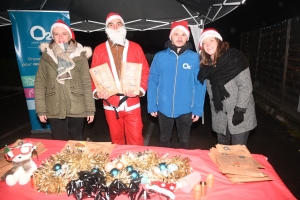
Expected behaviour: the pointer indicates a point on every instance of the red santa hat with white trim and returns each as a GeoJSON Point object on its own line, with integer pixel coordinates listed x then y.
{"type": "Point", "coordinates": [209, 32]}
{"type": "Point", "coordinates": [112, 16]}
{"type": "Point", "coordinates": [167, 189]}
{"type": "Point", "coordinates": [60, 23]}
{"type": "Point", "coordinates": [182, 25]}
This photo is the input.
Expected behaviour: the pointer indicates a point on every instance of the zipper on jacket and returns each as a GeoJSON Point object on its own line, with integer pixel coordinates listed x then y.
{"type": "Point", "coordinates": [175, 79]}
{"type": "Point", "coordinates": [193, 98]}
{"type": "Point", "coordinates": [157, 92]}
{"type": "Point", "coordinates": [63, 90]}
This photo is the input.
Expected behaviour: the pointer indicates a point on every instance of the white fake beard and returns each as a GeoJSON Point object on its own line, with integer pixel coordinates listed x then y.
{"type": "Point", "coordinates": [117, 36]}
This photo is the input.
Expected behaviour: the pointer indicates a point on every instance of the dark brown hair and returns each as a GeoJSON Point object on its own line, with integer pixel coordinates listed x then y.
{"type": "Point", "coordinates": [221, 48]}
{"type": "Point", "coordinates": [72, 40]}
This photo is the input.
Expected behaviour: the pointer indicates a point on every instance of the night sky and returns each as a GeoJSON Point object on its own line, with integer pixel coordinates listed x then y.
{"type": "Point", "coordinates": [253, 15]}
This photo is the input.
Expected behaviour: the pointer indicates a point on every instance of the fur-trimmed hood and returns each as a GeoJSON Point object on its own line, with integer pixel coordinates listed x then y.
{"type": "Point", "coordinates": [44, 47]}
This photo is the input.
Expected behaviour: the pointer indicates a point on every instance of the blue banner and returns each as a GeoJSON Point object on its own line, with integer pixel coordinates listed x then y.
{"type": "Point", "coordinates": [30, 29]}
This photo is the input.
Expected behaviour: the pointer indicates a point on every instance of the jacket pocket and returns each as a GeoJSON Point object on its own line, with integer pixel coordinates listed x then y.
{"type": "Point", "coordinates": [77, 98]}
{"type": "Point", "coordinates": [51, 100]}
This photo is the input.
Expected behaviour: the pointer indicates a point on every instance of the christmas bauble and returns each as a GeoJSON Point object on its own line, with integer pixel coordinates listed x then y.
{"type": "Point", "coordinates": [56, 167]}
{"type": "Point", "coordinates": [59, 172]}
{"type": "Point", "coordinates": [95, 170]}
{"type": "Point", "coordinates": [114, 172]}
{"type": "Point", "coordinates": [119, 165]}
{"type": "Point", "coordinates": [162, 166]}
{"type": "Point", "coordinates": [144, 179]}
{"type": "Point", "coordinates": [172, 167]}
{"type": "Point", "coordinates": [156, 170]}
{"type": "Point", "coordinates": [129, 168]}
{"type": "Point", "coordinates": [134, 174]}
{"type": "Point", "coordinates": [109, 166]}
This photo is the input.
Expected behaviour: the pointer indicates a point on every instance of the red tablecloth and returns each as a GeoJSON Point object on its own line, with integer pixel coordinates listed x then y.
{"type": "Point", "coordinates": [223, 188]}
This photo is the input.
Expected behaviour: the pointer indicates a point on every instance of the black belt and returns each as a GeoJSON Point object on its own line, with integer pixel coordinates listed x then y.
{"type": "Point", "coordinates": [120, 102]}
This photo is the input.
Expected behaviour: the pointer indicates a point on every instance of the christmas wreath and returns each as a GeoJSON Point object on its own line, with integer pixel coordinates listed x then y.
{"type": "Point", "coordinates": [83, 174]}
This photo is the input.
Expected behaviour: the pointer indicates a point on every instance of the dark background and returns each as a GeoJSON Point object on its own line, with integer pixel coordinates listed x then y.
{"type": "Point", "coordinates": [255, 14]}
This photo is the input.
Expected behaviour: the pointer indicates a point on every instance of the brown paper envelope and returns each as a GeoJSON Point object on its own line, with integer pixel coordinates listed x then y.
{"type": "Point", "coordinates": [103, 79]}
{"type": "Point", "coordinates": [243, 179]}
{"type": "Point", "coordinates": [131, 77]}
{"type": "Point", "coordinates": [91, 147]}
{"type": "Point", "coordinates": [234, 148]}
{"type": "Point", "coordinates": [235, 163]}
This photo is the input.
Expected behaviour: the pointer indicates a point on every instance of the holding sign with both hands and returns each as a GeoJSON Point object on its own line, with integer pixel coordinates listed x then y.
{"type": "Point", "coordinates": [130, 79]}
{"type": "Point", "coordinates": [120, 88]}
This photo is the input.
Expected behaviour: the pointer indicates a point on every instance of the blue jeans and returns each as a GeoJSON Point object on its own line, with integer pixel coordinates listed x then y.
{"type": "Point", "coordinates": [183, 124]}
{"type": "Point", "coordinates": [240, 138]}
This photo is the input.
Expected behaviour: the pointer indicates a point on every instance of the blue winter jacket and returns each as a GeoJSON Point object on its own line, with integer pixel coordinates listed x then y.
{"type": "Point", "coordinates": [173, 87]}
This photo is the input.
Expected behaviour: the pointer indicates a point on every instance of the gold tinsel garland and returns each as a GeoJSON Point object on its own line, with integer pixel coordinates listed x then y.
{"type": "Point", "coordinates": [51, 181]}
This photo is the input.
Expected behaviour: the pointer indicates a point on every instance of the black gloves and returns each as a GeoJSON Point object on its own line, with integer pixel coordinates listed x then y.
{"type": "Point", "coordinates": [238, 116]}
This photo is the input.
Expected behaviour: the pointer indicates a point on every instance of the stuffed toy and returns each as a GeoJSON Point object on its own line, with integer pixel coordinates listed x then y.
{"type": "Point", "coordinates": [23, 166]}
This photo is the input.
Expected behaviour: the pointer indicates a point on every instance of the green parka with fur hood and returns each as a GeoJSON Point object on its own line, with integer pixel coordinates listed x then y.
{"type": "Point", "coordinates": [73, 98]}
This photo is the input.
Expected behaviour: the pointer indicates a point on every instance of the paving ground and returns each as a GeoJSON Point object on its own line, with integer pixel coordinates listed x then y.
{"type": "Point", "coordinates": [270, 138]}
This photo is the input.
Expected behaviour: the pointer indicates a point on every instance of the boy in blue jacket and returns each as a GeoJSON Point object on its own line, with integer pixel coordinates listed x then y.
{"type": "Point", "coordinates": [174, 92]}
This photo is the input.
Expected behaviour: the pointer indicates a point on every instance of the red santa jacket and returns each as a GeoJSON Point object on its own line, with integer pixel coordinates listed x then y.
{"type": "Point", "coordinates": [132, 53]}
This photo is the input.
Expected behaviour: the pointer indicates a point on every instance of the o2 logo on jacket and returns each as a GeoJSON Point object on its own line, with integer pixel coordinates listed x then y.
{"type": "Point", "coordinates": [186, 66]}
{"type": "Point", "coordinates": [39, 33]}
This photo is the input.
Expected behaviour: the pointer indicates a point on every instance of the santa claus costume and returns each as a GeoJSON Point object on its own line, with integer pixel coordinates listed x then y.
{"type": "Point", "coordinates": [123, 114]}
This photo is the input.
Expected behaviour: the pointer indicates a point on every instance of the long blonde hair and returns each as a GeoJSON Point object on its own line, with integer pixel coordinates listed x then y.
{"type": "Point", "coordinates": [221, 48]}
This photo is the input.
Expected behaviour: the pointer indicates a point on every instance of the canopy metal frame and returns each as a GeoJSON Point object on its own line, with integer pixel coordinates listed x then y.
{"type": "Point", "coordinates": [196, 12]}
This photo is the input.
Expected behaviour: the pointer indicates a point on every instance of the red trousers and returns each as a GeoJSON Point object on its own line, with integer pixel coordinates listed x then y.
{"type": "Point", "coordinates": [127, 129]}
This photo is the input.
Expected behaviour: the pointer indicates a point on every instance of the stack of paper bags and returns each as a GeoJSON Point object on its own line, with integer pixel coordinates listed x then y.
{"type": "Point", "coordinates": [6, 165]}
{"type": "Point", "coordinates": [236, 162]}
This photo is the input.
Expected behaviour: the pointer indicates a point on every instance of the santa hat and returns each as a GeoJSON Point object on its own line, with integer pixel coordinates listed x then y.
{"type": "Point", "coordinates": [182, 25]}
{"type": "Point", "coordinates": [209, 32]}
{"type": "Point", "coordinates": [60, 23]}
{"type": "Point", "coordinates": [21, 149]}
{"type": "Point", "coordinates": [166, 189]}
{"type": "Point", "coordinates": [111, 16]}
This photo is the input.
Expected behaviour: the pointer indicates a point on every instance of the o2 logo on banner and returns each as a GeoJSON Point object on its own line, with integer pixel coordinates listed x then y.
{"type": "Point", "coordinates": [44, 35]}
{"type": "Point", "coordinates": [30, 30]}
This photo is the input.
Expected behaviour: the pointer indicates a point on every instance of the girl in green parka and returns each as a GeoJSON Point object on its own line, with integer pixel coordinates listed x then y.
{"type": "Point", "coordinates": [63, 92]}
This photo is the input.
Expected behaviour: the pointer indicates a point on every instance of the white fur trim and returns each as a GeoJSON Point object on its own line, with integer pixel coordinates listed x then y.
{"type": "Point", "coordinates": [113, 66]}
{"type": "Point", "coordinates": [158, 189]}
{"type": "Point", "coordinates": [58, 24]}
{"type": "Point", "coordinates": [112, 62]}
{"type": "Point", "coordinates": [209, 33]}
{"type": "Point", "coordinates": [114, 17]}
{"type": "Point", "coordinates": [88, 51]}
{"type": "Point", "coordinates": [44, 46]}
{"type": "Point", "coordinates": [143, 91]}
{"type": "Point", "coordinates": [95, 91]}
{"type": "Point", "coordinates": [187, 32]}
